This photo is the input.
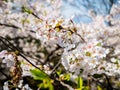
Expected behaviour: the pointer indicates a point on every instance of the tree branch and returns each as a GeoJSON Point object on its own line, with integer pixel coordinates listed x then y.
{"type": "Point", "coordinates": [8, 25]}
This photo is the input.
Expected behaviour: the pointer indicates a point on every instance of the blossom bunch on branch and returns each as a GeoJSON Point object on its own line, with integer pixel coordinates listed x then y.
{"type": "Point", "coordinates": [88, 49]}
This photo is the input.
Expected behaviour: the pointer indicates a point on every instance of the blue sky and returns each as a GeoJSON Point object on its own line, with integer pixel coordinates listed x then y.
{"type": "Point", "coordinates": [80, 8]}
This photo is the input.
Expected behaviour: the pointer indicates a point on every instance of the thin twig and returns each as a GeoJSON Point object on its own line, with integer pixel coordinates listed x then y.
{"type": "Point", "coordinates": [8, 25]}
{"type": "Point", "coordinates": [56, 66]}
{"type": "Point", "coordinates": [108, 82]}
{"type": "Point", "coordinates": [14, 48]}
{"type": "Point", "coordinates": [48, 57]}
{"type": "Point", "coordinates": [22, 51]}
{"type": "Point", "coordinates": [76, 32]}
{"type": "Point", "coordinates": [4, 74]}
{"type": "Point", "coordinates": [66, 85]}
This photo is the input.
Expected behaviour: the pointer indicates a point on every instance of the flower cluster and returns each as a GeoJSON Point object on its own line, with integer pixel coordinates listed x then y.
{"type": "Point", "coordinates": [84, 45]}
{"type": "Point", "coordinates": [92, 55]}
{"type": "Point", "coordinates": [87, 47]}
{"type": "Point", "coordinates": [7, 58]}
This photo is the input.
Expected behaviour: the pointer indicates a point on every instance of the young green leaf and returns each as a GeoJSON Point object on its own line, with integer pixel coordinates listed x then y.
{"type": "Point", "coordinates": [99, 88]}
{"type": "Point", "coordinates": [80, 83]}
{"type": "Point", "coordinates": [25, 9]}
{"type": "Point", "coordinates": [38, 74]}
